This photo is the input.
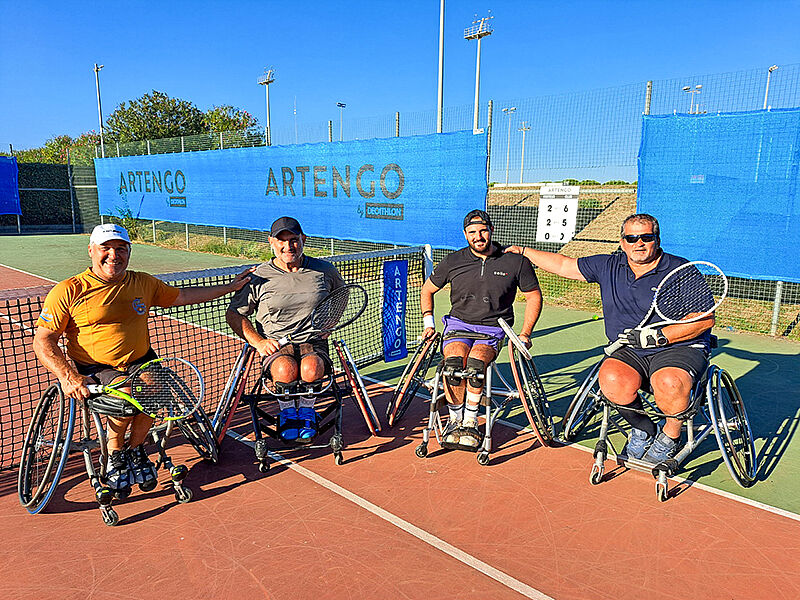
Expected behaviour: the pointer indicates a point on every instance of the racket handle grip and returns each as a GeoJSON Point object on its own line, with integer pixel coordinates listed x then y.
{"type": "Point", "coordinates": [94, 388]}
{"type": "Point", "coordinates": [283, 341]}
{"type": "Point", "coordinates": [613, 347]}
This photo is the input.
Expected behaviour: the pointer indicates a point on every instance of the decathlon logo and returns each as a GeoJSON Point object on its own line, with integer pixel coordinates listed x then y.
{"type": "Point", "coordinates": [382, 210]}
{"type": "Point", "coordinates": [139, 306]}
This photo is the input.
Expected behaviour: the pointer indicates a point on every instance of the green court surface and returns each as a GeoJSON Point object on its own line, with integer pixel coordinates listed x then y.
{"type": "Point", "coordinates": [60, 256]}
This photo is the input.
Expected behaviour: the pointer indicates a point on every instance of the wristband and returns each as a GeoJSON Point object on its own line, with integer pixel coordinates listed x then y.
{"type": "Point", "coordinates": [428, 322]}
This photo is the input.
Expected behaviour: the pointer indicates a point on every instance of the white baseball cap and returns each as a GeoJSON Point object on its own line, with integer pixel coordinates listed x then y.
{"type": "Point", "coordinates": [103, 233]}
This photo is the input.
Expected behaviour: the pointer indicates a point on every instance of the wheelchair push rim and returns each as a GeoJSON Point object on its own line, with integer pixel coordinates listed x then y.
{"type": "Point", "coordinates": [412, 379]}
{"type": "Point", "coordinates": [199, 432]}
{"type": "Point", "coordinates": [582, 407]}
{"type": "Point", "coordinates": [532, 396]}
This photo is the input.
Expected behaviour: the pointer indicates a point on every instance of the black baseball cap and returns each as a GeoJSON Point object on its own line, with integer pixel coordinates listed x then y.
{"type": "Point", "coordinates": [479, 217]}
{"type": "Point", "coordinates": [285, 224]}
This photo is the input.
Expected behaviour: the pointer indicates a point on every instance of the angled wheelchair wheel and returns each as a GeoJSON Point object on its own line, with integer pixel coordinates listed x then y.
{"type": "Point", "coordinates": [357, 387]}
{"type": "Point", "coordinates": [199, 432]}
{"type": "Point", "coordinates": [412, 378]}
{"type": "Point", "coordinates": [731, 427]}
{"type": "Point", "coordinates": [532, 395]}
{"type": "Point", "coordinates": [232, 393]}
{"type": "Point", "coordinates": [585, 404]}
{"type": "Point", "coordinates": [45, 449]}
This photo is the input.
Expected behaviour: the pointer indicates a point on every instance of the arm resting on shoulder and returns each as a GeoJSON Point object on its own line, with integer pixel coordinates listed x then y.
{"type": "Point", "coordinates": [194, 295]}
{"type": "Point", "coordinates": [551, 262]}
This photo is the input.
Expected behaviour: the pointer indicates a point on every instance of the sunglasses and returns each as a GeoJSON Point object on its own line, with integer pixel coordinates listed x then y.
{"type": "Point", "coordinates": [645, 237]}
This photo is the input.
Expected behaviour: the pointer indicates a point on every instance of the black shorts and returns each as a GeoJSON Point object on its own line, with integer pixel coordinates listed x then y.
{"type": "Point", "coordinates": [298, 351]}
{"type": "Point", "coordinates": [106, 375]}
{"type": "Point", "coordinates": [692, 360]}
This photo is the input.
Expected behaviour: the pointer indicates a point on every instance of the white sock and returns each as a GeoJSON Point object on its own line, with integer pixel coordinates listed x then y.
{"type": "Point", "coordinates": [471, 411]}
{"type": "Point", "coordinates": [284, 404]}
{"type": "Point", "coordinates": [306, 402]}
{"type": "Point", "coordinates": [455, 411]}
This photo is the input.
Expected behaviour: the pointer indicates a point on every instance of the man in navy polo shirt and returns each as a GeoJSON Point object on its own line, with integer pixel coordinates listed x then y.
{"type": "Point", "coordinates": [483, 284]}
{"type": "Point", "coordinates": [670, 357]}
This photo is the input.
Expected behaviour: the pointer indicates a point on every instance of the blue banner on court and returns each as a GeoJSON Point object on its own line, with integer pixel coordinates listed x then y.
{"type": "Point", "coordinates": [409, 190]}
{"type": "Point", "coordinates": [724, 188]}
{"type": "Point", "coordinates": [9, 186]}
{"type": "Point", "coordinates": [395, 294]}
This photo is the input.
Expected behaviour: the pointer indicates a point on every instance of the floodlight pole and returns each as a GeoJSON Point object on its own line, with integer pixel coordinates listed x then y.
{"type": "Point", "coordinates": [267, 78]}
{"type": "Point", "coordinates": [691, 93]}
{"type": "Point", "coordinates": [508, 111]}
{"type": "Point", "coordinates": [341, 106]}
{"type": "Point", "coordinates": [440, 96]}
{"type": "Point", "coordinates": [99, 108]}
{"type": "Point", "coordinates": [524, 129]}
{"type": "Point", "coordinates": [480, 29]}
{"type": "Point", "coordinates": [766, 91]}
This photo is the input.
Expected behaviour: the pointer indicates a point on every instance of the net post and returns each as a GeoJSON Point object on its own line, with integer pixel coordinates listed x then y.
{"type": "Point", "coordinates": [397, 124]}
{"type": "Point", "coordinates": [428, 256]}
{"type": "Point", "coordinates": [648, 97]}
{"type": "Point", "coordinates": [330, 131]}
{"type": "Point", "coordinates": [154, 231]}
{"type": "Point", "coordinates": [776, 308]}
{"type": "Point", "coordinates": [71, 194]}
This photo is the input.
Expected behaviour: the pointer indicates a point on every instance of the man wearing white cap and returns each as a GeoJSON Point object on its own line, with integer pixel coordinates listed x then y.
{"type": "Point", "coordinates": [103, 312]}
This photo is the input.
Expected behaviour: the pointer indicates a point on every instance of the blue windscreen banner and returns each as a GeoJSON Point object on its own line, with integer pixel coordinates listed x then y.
{"type": "Point", "coordinates": [406, 190]}
{"type": "Point", "coordinates": [9, 186]}
{"type": "Point", "coordinates": [724, 188]}
{"type": "Point", "coordinates": [395, 294]}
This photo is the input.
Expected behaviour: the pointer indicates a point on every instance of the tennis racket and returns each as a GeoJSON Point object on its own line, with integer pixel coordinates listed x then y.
{"type": "Point", "coordinates": [168, 388]}
{"type": "Point", "coordinates": [684, 296]}
{"type": "Point", "coordinates": [337, 310]}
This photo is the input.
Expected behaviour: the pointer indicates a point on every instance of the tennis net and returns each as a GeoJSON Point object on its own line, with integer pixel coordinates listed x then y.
{"type": "Point", "coordinates": [197, 332]}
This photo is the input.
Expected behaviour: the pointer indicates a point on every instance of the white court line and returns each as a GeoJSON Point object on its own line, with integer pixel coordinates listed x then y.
{"type": "Point", "coordinates": [421, 534]}
{"type": "Point", "coordinates": [26, 273]}
{"type": "Point", "coordinates": [722, 493]}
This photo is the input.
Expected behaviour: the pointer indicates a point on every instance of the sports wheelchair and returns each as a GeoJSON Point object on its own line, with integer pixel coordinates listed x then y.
{"type": "Point", "coordinates": [715, 405]}
{"type": "Point", "coordinates": [527, 388]}
{"type": "Point", "coordinates": [52, 436]}
{"type": "Point", "coordinates": [328, 393]}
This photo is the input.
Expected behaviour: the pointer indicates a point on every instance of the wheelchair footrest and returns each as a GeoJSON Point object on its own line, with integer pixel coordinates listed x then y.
{"type": "Point", "coordinates": [669, 466]}
{"type": "Point", "coordinates": [465, 448]}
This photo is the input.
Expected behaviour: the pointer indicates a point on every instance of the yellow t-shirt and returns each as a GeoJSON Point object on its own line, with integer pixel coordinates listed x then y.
{"type": "Point", "coordinates": [105, 323]}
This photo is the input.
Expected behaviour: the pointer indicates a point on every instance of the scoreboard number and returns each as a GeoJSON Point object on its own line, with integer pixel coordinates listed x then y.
{"type": "Point", "coordinates": [558, 207]}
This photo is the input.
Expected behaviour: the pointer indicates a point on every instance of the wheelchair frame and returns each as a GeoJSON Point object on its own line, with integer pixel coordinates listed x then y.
{"type": "Point", "coordinates": [715, 406]}
{"type": "Point", "coordinates": [264, 423]}
{"type": "Point", "coordinates": [527, 388]}
{"type": "Point", "coordinates": [46, 450]}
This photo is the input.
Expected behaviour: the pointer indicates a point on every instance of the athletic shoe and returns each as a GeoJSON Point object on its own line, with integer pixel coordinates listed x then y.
{"type": "Point", "coordinates": [309, 418]}
{"type": "Point", "coordinates": [638, 443]}
{"type": "Point", "coordinates": [663, 448]}
{"type": "Point", "coordinates": [118, 475]}
{"type": "Point", "coordinates": [452, 432]}
{"type": "Point", "coordinates": [470, 434]}
{"type": "Point", "coordinates": [143, 471]}
{"type": "Point", "coordinates": [287, 424]}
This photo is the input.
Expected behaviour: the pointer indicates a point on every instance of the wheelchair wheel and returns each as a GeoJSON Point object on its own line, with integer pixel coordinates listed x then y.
{"type": "Point", "coordinates": [199, 432]}
{"type": "Point", "coordinates": [412, 378]}
{"type": "Point", "coordinates": [358, 390]}
{"type": "Point", "coordinates": [232, 392]}
{"type": "Point", "coordinates": [532, 396]}
{"type": "Point", "coordinates": [45, 449]}
{"type": "Point", "coordinates": [585, 404]}
{"type": "Point", "coordinates": [731, 427]}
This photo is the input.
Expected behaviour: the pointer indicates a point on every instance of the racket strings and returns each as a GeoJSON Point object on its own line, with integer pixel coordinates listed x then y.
{"type": "Point", "coordinates": [171, 389]}
{"type": "Point", "coordinates": [683, 295]}
{"type": "Point", "coordinates": [340, 308]}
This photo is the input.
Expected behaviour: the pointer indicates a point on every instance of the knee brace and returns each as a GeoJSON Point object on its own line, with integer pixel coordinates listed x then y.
{"type": "Point", "coordinates": [452, 364]}
{"type": "Point", "coordinates": [477, 370]}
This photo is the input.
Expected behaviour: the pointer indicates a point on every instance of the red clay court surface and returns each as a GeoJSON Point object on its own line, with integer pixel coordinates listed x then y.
{"type": "Point", "coordinates": [11, 278]}
{"type": "Point", "coordinates": [387, 525]}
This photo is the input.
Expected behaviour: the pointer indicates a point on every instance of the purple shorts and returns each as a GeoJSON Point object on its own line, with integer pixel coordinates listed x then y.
{"type": "Point", "coordinates": [494, 335]}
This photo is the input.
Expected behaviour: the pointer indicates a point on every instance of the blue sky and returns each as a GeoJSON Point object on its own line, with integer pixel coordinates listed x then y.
{"type": "Point", "coordinates": [376, 56]}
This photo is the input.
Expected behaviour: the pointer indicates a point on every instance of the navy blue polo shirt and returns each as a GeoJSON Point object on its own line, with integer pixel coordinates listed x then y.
{"type": "Point", "coordinates": [481, 290]}
{"type": "Point", "coordinates": [627, 299]}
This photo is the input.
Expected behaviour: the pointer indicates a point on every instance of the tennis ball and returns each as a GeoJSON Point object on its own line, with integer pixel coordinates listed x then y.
{"type": "Point", "coordinates": [595, 317]}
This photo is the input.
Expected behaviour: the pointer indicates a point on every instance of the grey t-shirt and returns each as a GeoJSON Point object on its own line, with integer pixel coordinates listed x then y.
{"type": "Point", "coordinates": [281, 299]}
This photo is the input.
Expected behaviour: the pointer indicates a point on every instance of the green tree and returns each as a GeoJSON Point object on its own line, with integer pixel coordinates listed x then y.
{"type": "Point", "coordinates": [154, 116]}
{"type": "Point", "coordinates": [229, 118]}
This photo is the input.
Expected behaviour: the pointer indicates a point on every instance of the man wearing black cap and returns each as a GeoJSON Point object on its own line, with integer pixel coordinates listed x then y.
{"type": "Point", "coordinates": [281, 293]}
{"type": "Point", "coordinates": [483, 285]}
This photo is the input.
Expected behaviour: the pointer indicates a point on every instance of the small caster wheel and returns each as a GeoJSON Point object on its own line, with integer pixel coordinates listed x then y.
{"type": "Point", "coordinates": [421, 451]}
{"type": "Point", "coordinates": [596, 476]}
{"type": "Point", "coordinates": [110, 516]}
{"type": "Point", "coordinates": [183, 494]}
{"type": "Point", "coordinates": [662, 492]}
{"type": "Point", "coordinates": [178, 473]}
{"type": "Point", "coordinates": [121, 493]}
{"type": "Point", "coordinates": [263, 467]}
{"type": "Point", "coordinates": [261, 450]}
{"type": "Point", "coordinates": [483, 458]}
{"type": "Point", "coordinates": [338, 458]}
{"type": "Point", "coordinates": [104, 496]}
{"type": "Point", "coordinates": [336, 444]}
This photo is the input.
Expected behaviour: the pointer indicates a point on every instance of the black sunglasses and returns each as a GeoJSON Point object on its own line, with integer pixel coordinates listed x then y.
{"type": "Point", "coordinates": [645, 237]}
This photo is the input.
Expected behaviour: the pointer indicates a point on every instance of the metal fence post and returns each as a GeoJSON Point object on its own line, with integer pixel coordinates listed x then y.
{"type": "Point", "coordinates": [648, 97]}
{"type": "Point", "coordinates": [154, 231]}
{"type": "Point", "coordinates": [489, 142]}
{"type": "Point", "coordinates": [148, 146]}
{"type": "Point", "coordinates": [330, 131]}
{"type": "Point", "coordinates": [225, 235]}
{"type": "Point", "coordinates": [117, 149]}
{"type": "Point", "coordinates": [187, 235]}
{"type": "Point", "coordinates": [397, 124]}
{"type": "Point", "coordinates": [428, 258]}
{"type": "Point", "coordinates": [182, 144]}
{"type": "Point", "coordinates": [776, 308]}
{"type": "Point", "coordinates": [71, 194]}
{"type": "Point", "coordinates": [221, 143]}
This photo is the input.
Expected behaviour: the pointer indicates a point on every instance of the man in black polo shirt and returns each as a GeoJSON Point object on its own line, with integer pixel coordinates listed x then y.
{"type": "Point", "coordinates": [483, 284]}
{"type": "Point", "coordinates": [670, 357]}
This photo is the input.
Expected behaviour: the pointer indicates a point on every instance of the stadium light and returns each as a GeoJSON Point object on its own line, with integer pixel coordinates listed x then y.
{"type": "Point", "coordinates": [267, 78]}
{"type": "Point", "coordinates": [508, 111]}
{"type": "Point", "coordinates": [440, 88]}
{"type": "Point", "coordinates": [691, 93]}
{"type": "Point", "coordinates": [341, 106]}
{"type": "Point", "coordinates": [524, 129]}
{"type": "Point", "coordinates": [480, 29]}
{"type": "Point", "coordinates": [766, 91]}
{"type": "Point", "coordinates": [99, 108]}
